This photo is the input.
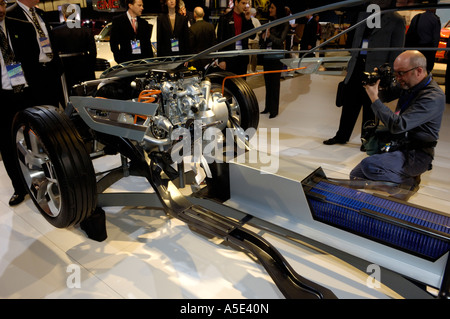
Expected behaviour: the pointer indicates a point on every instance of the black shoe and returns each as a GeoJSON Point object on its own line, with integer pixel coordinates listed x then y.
{"type": "Point", "coordinates": [264, 112]}
{"type": "Point", "coordinates": [406, 194]}
{"type": "Point", "coordinates": [362, 148]}
{"type": "Point", "coordinates": [415, 186]}
{"type": "Point", "coordinates": [271, 116]}
{"type": "Point", "coordinates": [16, 199]}
{"type": "Point", "coordinates": [333, 141]}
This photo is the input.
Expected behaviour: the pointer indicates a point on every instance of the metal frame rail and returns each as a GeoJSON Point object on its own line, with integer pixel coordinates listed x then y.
{"type": "Point", "coordinates": [176, 205]}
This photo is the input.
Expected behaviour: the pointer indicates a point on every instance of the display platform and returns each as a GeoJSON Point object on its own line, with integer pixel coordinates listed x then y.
{"type": "Point", "coordinates": [148, 255]}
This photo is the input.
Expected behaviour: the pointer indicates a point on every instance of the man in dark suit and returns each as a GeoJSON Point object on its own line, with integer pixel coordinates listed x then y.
{"type": "Point", "coordinates": [45, 74]}
{"type": "Point", "coordinates": [309, 37]}
{"type": "Point", "coordinates": [391, 34]}
{"type": "Point", "coordinates": [233, 23]}
{"type": "Point", "coordinates": [424, 32]}
{"type": "Point", "coordinates": [188, 14]}
{"type": "Point", "coordinates": [131, 35]}
{"type": "Point", "coordinates": [18, 52]}
{"type": "Point", "coordinates": [76, 47]}
{"type": "Point", "coordinates": [202, 36]}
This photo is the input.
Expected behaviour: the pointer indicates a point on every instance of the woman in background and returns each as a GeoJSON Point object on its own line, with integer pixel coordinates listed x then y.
{"type": "Point", "coordinates": [172, 31]}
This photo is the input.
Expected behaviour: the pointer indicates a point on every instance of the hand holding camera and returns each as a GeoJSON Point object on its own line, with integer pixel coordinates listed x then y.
{"type": "Point", "coordinates": [372, 90]}
{"type": "Point", "coordinates": [382, 78]}
{"type": "Point", "coordinates": [382, 73]}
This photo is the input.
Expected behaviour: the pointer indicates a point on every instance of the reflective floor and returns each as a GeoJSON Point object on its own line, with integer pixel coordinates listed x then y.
{"type": "Point", "coordinates": [148, 255]}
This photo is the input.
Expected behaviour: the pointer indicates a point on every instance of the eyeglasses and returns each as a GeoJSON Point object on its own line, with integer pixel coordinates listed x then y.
{"type": "Point", "coordinates": [402, 73]}
{"type": "Point", "coordinates": [3, 3]}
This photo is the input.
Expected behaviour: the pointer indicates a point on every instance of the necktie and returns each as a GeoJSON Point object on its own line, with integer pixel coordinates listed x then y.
{"type": "Point", "coordinates": [8, 55]}
{"type": "Point", "coordinates": [133, 23]}
{"type": "Point", "coordinates": [39, 28]}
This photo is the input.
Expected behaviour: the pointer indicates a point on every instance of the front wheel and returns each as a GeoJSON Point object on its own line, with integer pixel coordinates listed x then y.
{"type": "Point", "coordinates": [55, 166]}
{"type": "Point", "coordinates": [240, 96]}
{"type": "Point", "coordinates": [244, 109]}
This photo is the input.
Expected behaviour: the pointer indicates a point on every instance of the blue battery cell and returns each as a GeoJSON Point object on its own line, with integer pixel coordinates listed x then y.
{"type": "Point", "coordinates": [397, 224]}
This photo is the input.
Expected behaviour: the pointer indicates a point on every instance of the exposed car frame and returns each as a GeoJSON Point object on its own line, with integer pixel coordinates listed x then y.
{"type": "Point", "coordinates": [107, 116]}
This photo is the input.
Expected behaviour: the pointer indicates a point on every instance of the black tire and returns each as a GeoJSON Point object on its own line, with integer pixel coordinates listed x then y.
{"type": "Point", "coordinates": [241, 96]}
{"type": "Point", "coordinates": [55, 165]}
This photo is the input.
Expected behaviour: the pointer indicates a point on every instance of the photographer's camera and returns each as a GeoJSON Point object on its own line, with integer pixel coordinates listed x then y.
{"type": "Point", "coordinates": [383, 73]}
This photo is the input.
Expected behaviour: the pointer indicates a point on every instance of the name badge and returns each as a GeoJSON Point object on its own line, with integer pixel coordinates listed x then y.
{"type": "Point", "coordinates": [365, 45]}
{"type": "Point", "coordinates": [45, 44]}
{"type": "Point", "coordinates": [174, 45]}
{"type": "Point", "coordinates": [136, 47]}
{"type": "Point", "coordinates": [15, 73]}
{"type": "Point", "coordinates": [239, 45]}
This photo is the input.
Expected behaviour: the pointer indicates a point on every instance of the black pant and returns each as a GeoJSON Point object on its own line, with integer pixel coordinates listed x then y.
{"type": "Point", "coordinates": [46, 87]}
{"type": "Point", "coordinates": [447, 81]}
{"type": "Point", "coordinates": [272, 82]}
{"type": "Point", "coordinates": [355, 96]}
{"type": "Point", "coordinates": [237, 65]}
{"type": "Point", "coordinates": [11, 104]}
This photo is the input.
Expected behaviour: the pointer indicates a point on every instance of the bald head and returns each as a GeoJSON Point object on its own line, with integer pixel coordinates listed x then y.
{"type": "Point", "coordinates": [410, 68]}
{"type": "Point", "coordinates": [199, 13]}
{"type": "Point", "coordinates": [414, 58]}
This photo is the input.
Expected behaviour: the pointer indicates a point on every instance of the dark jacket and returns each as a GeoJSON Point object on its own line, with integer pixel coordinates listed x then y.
{"type": "Point", "coordinates": [165, 34]}
{"type": "Point", "coordinates": [277, 37]}
{"type": "Point", "coordinates": [16, 12]}
{"type": "Point", "coordinates": [419, 112]}
{"type": "Point", "coordinates": [77, 49]}
{"type": "Point", "coordinates": [225, 30]}
{"type": "Point", "coordinates": [309, 37]}
{"type": "Point", "coordinates": [23, 40]}
{"type": "Point", "coordinates": [424, 31]}
{"type": "Point", "coordinates": [202, 36]}
{"type": "Point", "coordinates": [390, 35]}
{"type": "Point", "coordinates": [44, 79]}
{"type": "Point", "coordinates": [122, 34]}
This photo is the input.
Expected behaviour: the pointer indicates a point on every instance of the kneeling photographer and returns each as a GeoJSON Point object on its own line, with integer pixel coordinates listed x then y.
{"type": "Point", "coordinates": [418, 117]}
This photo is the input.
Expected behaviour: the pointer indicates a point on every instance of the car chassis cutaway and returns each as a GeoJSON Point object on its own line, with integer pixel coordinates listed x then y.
{"type": "Point", "coordinates": [133, 111]}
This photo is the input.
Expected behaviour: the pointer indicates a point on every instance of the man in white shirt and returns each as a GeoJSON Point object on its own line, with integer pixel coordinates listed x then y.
{"type": "Point", "coordinates": [17, 55]}
{"type": "Point", "coordinates": [131, 35]}
{"type": "Point", "coordinates": [45, 78]}
{"type": "Point", "coordinates": [42, 34]}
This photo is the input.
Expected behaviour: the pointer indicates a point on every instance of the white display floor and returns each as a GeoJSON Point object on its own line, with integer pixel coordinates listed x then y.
{"type": "Point", "coordinates": [148, 255]}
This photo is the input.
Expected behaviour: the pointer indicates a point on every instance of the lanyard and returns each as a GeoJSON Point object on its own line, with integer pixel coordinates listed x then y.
{"type": "Point", "coordinates": [412, 94]}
